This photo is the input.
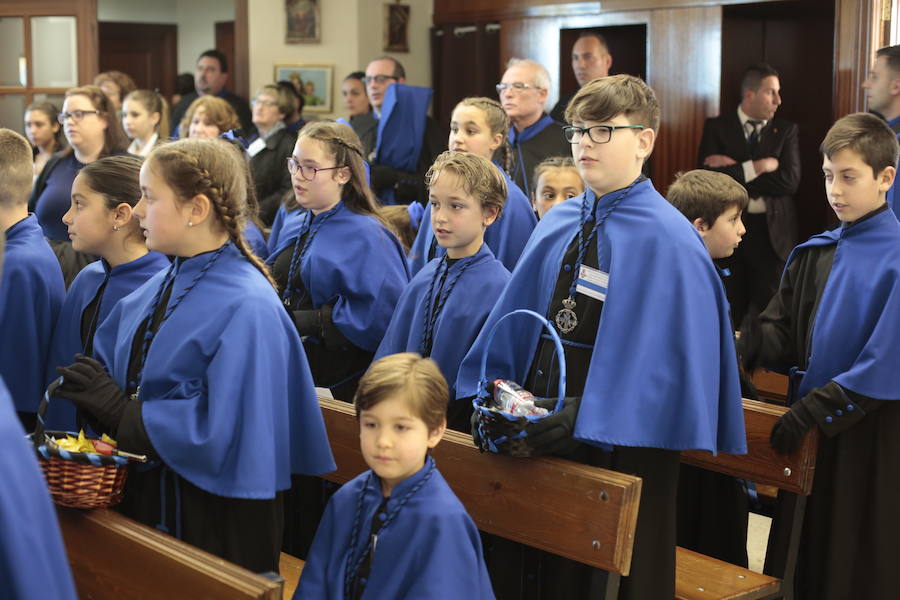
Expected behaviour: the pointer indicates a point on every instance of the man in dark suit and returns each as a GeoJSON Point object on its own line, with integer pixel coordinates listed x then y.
{"type": "Point", "coordinates": [883, 93]}
{"type": "Point", "coordinates": [210, 78]}
{"type": "Point", "coordinates": [590, 59]}
{"type": "Point", "coordinates": [761, 153]}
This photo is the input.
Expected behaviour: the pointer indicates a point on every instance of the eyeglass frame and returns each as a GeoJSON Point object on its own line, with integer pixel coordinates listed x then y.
{"type": "Point", "coordinates": [294, 166]}
{"type": "Point", "coordinates": [62, 117]}
{"type": "Point", "coordinates": [517, 87]}
{"type": "Point", "coordinates": [378, 79]}
{"type": "Point", "coordinates": [582, 130]}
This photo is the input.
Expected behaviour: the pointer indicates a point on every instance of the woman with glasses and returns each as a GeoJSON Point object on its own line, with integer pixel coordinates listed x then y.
{"type": "Point", "coordinates": [268, 148]}
{"type": "Point", "coordinates": [93, 129]}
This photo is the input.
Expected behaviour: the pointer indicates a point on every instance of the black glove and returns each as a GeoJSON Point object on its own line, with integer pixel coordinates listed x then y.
{"type": "Point", "coordinates": [476, 434]}
{"type": "Point", "coordinates": [553, 433]}
{"type": "Point", "coordinates": [749, 343]}
{"type": "Point", "coordinates": [382, 176]}
{"type": "Point", "coordinates": [788, 431]}
{"type": "Point", "coordinates": [308, 322]}
{"type": "Point", "coordinates": [90, 388]}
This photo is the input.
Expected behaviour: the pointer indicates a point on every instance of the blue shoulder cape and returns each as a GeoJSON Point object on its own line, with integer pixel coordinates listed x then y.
{"type": "Point", "coordinates": [356, 265]}
{"type": "Point", "coordinates": [663, 372]}
{"type": "Point", "coordinates": [856, 332]}
{"type": "Point", "coordinates": [256, 240]}
{"type": "Point", "coordinates": [284, 226]}
{"type": "Point", "coordinates": [506, 237]}
{"type": "Point", "coordinates": [472, 298]}
{"type": "Point", "coordinates": [120, 281]}
{"type": "Point", "coordinates": [228, 399]}
{"type": "Point", "coordinates": [430, 550]}
{"type": "Point", "coordinates": [401, 129]}
{"type": "Point", "coordinates": [31, 295]}
{"type": "Point", "coordinates": [33, 561]}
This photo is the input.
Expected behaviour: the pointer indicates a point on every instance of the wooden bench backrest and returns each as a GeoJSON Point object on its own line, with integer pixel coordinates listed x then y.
{"type": "Point", "coordinates": [761, 464]}
{"type": "Point", "coordinates": [115, 557]}
{"type": "Point", "coordinates": [584, 513]}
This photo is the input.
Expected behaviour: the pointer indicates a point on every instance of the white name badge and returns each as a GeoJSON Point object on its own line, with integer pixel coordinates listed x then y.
{"type": "Point", "coordinates": [254, 148]}
{"type": "Point", "coordinates": [592, 282]}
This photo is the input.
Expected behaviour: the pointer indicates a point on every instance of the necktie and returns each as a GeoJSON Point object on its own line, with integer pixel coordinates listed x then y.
{"type": "Point", "coordinates": [753, 138]}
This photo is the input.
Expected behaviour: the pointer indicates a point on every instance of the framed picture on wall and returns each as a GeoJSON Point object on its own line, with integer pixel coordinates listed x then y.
{"type": "Point", "coordinates": [312, 81]}
{"type": "Point", "coordinates": [303, 21]}
{"type": "Point", "coordinates": [396, 24]}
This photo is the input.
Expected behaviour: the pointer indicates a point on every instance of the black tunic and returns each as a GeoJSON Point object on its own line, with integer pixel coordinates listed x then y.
{"type": "Point", "coordinates": [848, 547]}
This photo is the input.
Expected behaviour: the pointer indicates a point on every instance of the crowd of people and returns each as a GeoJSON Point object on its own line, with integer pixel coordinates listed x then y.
{"type": "Point", "coordinates": [193, 274]}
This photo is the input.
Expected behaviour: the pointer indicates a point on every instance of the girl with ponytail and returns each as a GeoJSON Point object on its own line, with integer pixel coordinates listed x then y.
{"type": "Point", "coordinates": [480, 126]}
{"type": "Point", "coordinates": [202, 370]}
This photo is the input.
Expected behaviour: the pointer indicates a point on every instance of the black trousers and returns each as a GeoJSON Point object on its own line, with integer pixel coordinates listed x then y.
{"type": "Point", "coordinates": [755, 269]}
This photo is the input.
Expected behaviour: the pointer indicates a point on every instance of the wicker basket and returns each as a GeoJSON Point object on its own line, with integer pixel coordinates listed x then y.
{"type": "Point", "coordinates": [502, 432]}
{"type": "Point", "coordinates": [77, 479]}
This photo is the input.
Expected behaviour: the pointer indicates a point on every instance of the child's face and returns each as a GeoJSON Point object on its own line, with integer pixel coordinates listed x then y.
{"type": "Point", "coordinates": [555, 185]}
{"type": "Point", "coordinates": [162, 219]}
{"type": "Point", "coordinates": [202, 126]}
{"type": "Point", "coordinates": [322, 191]}
{"type": "Point", "coordinates": [851, 189]}
{"type": "Point", "coordinates": [470, 132]}
{"type": "Point", "coordinates": [89, 221]}
{"type": "Point", "coordinates": [724, 236]}
{"type": "Point", "coordinates": [394, 441]}
{"type": "Point", "coordinates": [137, 121]}
{"type": "Point", "coordinates": [615, 164]}
{"type": "Point", "coordinates": [457, 218]}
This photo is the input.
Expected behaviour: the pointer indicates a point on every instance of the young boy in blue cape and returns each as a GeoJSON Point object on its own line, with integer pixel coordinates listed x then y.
{"type": "Point", "coordinates": [33, 562]}
{"type": "Point", "coordinates": [442, 309]}
{"type": "Point", "coordinates": [100, 223]}
{"type": "Point", "coordinates": [650, 355]}
{"type": "Point", "coordinates": [202, 370]}
{"type": "Point", "coordinates": [32, 288]}
{"type": "Point", "coordinates": [835, 322]}
{"type": "Point", "coordinates": [397, 531]}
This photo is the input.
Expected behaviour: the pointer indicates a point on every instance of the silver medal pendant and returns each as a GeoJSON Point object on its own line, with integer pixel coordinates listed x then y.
{"type": "Point", "coordinates": [566, 319]}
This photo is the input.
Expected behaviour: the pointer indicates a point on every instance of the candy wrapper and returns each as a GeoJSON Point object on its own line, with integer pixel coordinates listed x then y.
{"type": "Point", "coordinates": [510, 397]}
{"type": "Point", "coordinates": [105, 445]}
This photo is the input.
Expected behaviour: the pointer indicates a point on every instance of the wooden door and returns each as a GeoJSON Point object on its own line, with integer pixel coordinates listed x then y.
{"type": "Point", "coordinates": [225, 45]}
{"type": "Point", "coordinates": [146, 52]}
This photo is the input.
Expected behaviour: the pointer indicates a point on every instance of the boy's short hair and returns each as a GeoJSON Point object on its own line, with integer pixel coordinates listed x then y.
{"type": "Point", "coordinates": [16, 168]}
{"type": "Point", "coordinates": [892, 55]}
{"type": "Point", "coordinates": [605, 98]}
{"type": "Point", "coordinates": [706, 195]}
{"type": "Point", "coordinates": [418, 380]}
{"type": "Point", "coordinates": [478, 176]}
{"type": "Point", "coordinates": [866, 135]}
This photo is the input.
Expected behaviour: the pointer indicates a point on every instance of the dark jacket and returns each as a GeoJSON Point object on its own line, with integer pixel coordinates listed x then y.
{"type": "Point", "coordinates": [366, 127]}
{"type": "Point", "coordinates": [270, 173]}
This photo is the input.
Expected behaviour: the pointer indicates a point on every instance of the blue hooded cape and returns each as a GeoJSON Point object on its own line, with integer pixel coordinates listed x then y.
{"type": "Point", "coordinates": [663, 372]}
{"type": "Point", "coordinates": [31, 295]}
{"type": "Point", "coordinates": [120, 281]}
{"type": "Point", "coordinates": [228, 400]}
{"type": "Point", "coordinates": [856, 333]}
{"type": "Point", "coordinates": [284, 226]}
{"type": "Point", "coordinates": [401, 130]}
{"type": "Point", "coordinates": [430, 550]}
{"type": "Point", "coordinates": [33, 561]}
{"type": "Point", "coordinates": [256, 240]}
{"type": "Point", "coordinates": [472, 298]}
{"type": "Point", "coordinates": [506, 237]}
{"type": "Point", "coordinates": [356, 265]}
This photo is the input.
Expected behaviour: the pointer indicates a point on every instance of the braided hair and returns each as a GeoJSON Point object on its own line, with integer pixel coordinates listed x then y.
{"type": "Point", "coordinates": [215, 169]}
{"type": "Point", "coordinates": [498, 121]}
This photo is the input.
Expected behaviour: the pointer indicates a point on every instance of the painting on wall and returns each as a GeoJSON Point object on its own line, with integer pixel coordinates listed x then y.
{"type": "Point", "coordinates": [396, 25]}
{"type": "Point", "coordinates": [303, 21]}
{"type": "Point", "coordinates": [312, 81]}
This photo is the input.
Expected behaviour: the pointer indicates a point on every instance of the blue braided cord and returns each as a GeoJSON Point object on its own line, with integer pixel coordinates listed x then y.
{"type": "Point", "coordinates": [432, 314]}
{"type": "Point", "coordinates": [299, 253]}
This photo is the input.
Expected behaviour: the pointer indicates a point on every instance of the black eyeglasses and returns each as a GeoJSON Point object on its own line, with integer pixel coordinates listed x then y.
{"type": "Point", "coordinates": [307, 173]}
{"type": "Point", "coordinates": [379, 79]}
{"type": "Point", "coordinates": [599, 134]}
{"type": "Point", "coordinates": [75, 115]}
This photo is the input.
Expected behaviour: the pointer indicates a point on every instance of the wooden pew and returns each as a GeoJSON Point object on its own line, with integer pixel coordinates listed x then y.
{"type": "Point", "coordinates": [700, 577]}
{"type": "Point", "coordinates": [584, 513]}
{"type": "Point", "coordinates": [771, 386]}
{"type": "Point", "coordinates": [114, 557]}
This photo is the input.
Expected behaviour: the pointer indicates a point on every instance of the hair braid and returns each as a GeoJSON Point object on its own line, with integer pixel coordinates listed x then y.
{"type": "Point", "coordinates": [498, 121]}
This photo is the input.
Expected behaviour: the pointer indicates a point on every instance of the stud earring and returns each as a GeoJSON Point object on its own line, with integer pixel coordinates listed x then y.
{"type": "Point", "coordinates": [190, 224]}
{"type": "Point", "coordinates": [115, 227]}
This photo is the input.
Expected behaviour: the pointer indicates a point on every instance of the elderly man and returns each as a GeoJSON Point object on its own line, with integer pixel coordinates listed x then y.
{"type": "Point", "coordinates": [883, 92]}
{"type": "Point", "coordinates": [210, 78]}
{"type": "Point", "coordinates": [533, 136]}
{"type": "Point", "coordinates": [761, 153]}
{"type": "Point", "coordinates": [590, 59]}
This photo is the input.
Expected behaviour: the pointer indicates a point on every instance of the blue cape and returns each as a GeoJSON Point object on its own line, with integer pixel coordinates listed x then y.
{"type": "Point", "coordinates": [506, 237]}
{"type": "Point", "coordinates": [355, 264]}
{"type": "Point", "coordinates": [430, 550]}
{"type": "Point", "coordinates": [401, 129]}
{"type": "Point", "coordinates": [856, 333]}
{"type": "Point", "coordinates": [892, 193]}
{"type": "Point", "coordinates": [256, 240]}
{"type": "Point", "coordinates": [663, 372]}
{"type": "Point", "coordinates": [472, 298]}
{"type": "Point", "coordinates": [33, 562]}
{"type": "Point", "coordinates": [120, 281]}
{"type": "Point", "coordinates": [31, 294]}
{"type": "Point", "coordinates": [284, 226]}
{"type": "Point", "coordinates": [516, 138]}
{"type": "Point", "coordinates": [228, 400]}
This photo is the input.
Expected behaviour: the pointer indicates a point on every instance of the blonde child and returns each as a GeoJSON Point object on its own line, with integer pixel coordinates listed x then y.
{"type": "Point", "coordinates": [145, 114]}
{"type": "Point", "coordinates": [555, 179]}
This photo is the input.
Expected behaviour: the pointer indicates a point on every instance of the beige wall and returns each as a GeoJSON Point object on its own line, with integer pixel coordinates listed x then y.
{"type": "Point", "coordinates": [351, 34]}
